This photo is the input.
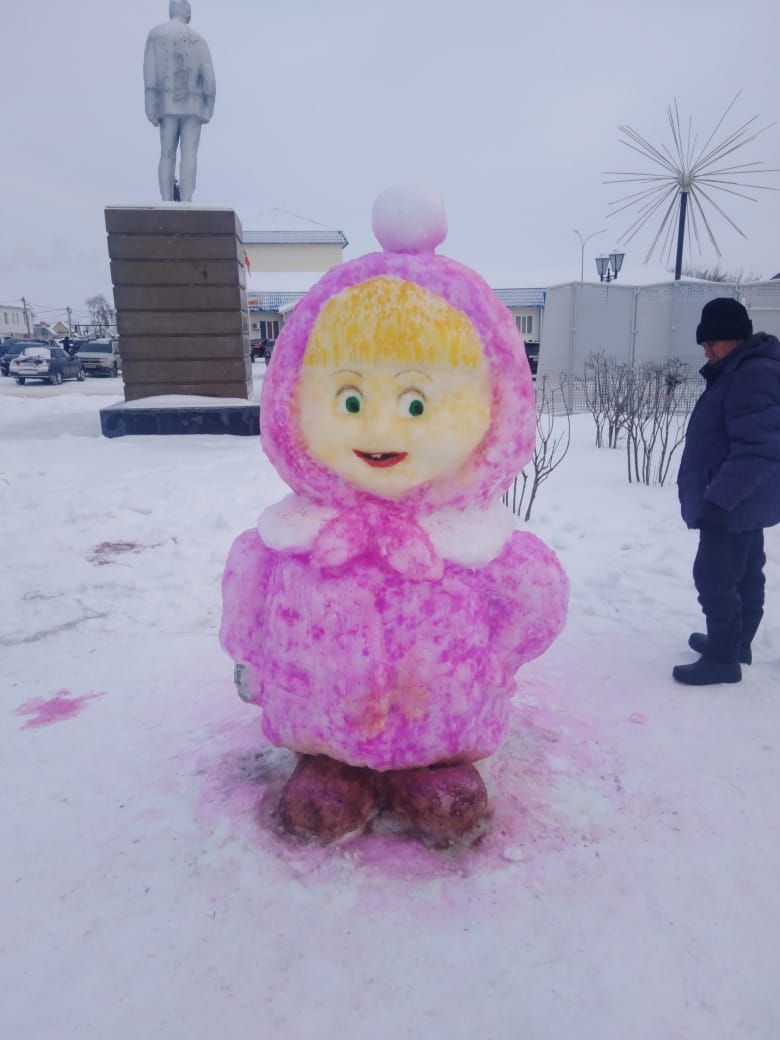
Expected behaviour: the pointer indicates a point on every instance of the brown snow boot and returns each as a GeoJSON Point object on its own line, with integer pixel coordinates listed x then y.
{"type": "Point", "coordinates": [443, 804]}
{"type": "Point", "coordinates": [324, 799]}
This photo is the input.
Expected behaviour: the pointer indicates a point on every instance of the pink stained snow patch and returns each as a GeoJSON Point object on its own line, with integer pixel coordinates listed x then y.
{"type": "Point", "coordinates": [638, 718]}
{"type": "Point", "coordinates": [62, 706]}
{"type": "Point", "coordinates": [551, 788]}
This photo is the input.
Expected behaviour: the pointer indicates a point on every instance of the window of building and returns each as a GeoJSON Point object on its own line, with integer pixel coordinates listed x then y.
{"type": "Point", "coordinates": [269, 329]}
{"type": "Point", "coordinates": [525, 323]}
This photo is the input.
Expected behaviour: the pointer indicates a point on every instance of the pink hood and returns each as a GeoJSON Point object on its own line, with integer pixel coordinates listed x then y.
{"type": "Point", "coordinates": [506, 447]}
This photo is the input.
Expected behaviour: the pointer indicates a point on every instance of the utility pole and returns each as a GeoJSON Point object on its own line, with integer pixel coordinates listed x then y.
{"type": "Point", "coordinates": [70, 327]}
{"type": "Point", "coordinates": [26, 317]}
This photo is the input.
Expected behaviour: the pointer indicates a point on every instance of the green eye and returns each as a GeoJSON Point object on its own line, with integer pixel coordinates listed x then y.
{"type": "Point", "coordinates": [411, 402]}
{"type": "Point", "coordinates": [349, 400]}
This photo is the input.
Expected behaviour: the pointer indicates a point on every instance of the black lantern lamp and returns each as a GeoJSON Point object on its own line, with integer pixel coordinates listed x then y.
{"type": "Point", "coordinates": [609, 266]}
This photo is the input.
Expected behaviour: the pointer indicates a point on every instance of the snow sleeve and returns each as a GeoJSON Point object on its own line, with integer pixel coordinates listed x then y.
{"type": "Point", "coordinates": [752, 415]}
{"type": "Point", "coordinates": [208, 82]}
{"type": "Point", "coordinates": [528, 596]}
{"type": "Point", "coordinates": [244, 586]}
{"type": "Point", "coordinates": [151, 83]}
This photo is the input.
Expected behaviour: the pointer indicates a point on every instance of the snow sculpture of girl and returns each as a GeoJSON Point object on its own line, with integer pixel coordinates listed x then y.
{"type": "Point", "coordinates": [379, 613]}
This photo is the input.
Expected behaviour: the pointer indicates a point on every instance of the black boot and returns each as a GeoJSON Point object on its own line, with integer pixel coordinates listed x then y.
{"type": "Point", "coordinates": [707, 671]}
{"type": "Point", "coordinates": [698, 641]}
{"type": "Point", "coordinates": [750, 622]}
{"type": "Point", "coordinates": [720, 664]}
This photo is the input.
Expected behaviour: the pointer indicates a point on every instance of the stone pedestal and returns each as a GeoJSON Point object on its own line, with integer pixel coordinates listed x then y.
{"type": "Point", "coordinates": [180, 296]}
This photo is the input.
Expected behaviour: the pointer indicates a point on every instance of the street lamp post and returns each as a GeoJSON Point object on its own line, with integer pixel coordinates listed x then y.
{"type": "Point", "coordinates": [582, 243]}
{"type": "Point", "coordinates": [609, 266]}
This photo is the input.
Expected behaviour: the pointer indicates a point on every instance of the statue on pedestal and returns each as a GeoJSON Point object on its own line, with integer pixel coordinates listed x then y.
{"type": "Point", "coordinates": [180, 91]}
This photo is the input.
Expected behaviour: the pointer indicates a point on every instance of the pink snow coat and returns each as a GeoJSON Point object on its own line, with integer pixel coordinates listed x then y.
{"type": "Point", "coordinates": [387, 633]}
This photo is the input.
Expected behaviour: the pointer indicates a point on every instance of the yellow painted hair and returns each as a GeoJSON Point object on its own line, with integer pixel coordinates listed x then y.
{"type": "Point", "coordinates": [388, 319]}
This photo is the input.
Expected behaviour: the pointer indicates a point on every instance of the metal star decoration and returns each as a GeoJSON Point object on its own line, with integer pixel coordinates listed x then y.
{"type": "Point", "coordinates": [684, 181]}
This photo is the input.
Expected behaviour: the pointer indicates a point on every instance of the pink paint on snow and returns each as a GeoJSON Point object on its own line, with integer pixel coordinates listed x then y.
{"type": "Point", "coordinates": [62, 706]}
{"type": "Point", "coordinates": [552, 788]}
{"type": "Point", "coordinates": [388, 670]}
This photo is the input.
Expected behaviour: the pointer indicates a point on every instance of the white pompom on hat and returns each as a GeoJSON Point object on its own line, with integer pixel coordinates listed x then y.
{"type": "Point", "coordinates": [408, 218]}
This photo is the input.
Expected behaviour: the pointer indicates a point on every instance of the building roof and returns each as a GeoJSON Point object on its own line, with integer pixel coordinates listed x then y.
{"type": "Point", "coordinates": [521, 297]}
{"type": "Point", "coordinates": [319, 236]}
{"type": "Point", "coordinates": [272, 301]}
{"type": "Point", "coordinates": [281, 227]}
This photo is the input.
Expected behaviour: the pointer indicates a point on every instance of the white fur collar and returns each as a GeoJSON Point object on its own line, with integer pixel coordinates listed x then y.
{"type": "Point", "coordinates": [468, 537]}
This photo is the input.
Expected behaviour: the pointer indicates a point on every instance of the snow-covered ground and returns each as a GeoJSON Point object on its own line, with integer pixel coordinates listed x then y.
{"type": "Point", "coordinates": [627, 889]}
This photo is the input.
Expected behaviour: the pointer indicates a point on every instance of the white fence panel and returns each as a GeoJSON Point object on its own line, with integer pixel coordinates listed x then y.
{"type": "Point", "coordinates": [762, 300]}
{"type": "Point", "coordinates": [581, 319]}
{"type": "Point", "coordinates": [638, 323]}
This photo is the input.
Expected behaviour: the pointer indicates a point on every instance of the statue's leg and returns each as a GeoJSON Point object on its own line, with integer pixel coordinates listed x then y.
{"type": "Point", "coordinates": [190, 139]}
{"type": "Point", "coordinates": [169, 138]}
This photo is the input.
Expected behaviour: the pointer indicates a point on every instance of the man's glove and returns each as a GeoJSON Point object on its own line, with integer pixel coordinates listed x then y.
{"type": "Point", "coordinates": [713, 516]}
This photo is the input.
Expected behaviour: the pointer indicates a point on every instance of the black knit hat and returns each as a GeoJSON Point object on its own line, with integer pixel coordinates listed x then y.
{"type": "Point", "coordinates": [723, 318]}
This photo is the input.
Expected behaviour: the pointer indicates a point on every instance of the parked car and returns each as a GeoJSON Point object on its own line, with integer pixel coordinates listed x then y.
{"type": "Point", "coordinates": [100, 357]}
{"type": "Point", "coordinates": [12, 348]}
{"type": "Point", "coordinates": [257, 349]}
{"type": "Point", "coordinates": [51, 364]}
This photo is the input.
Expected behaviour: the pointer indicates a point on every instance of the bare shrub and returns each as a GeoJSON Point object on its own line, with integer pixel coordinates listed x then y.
{"type": "Point", "coordinates": [606, 384]}
{"type": "Point", "coordinates": [644, 406]}
{"type": "Point", "coordinates": [553, 437]}
{"type": "Point", "coordinates": [656, 415]}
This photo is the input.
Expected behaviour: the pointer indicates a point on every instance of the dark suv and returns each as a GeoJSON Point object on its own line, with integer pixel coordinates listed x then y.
{"type": "Point", "coordinates": [257, 349]}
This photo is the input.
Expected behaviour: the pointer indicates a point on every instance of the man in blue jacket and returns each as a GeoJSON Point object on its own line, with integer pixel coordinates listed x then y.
{"type": "Point", "coordinates": [729, 487]}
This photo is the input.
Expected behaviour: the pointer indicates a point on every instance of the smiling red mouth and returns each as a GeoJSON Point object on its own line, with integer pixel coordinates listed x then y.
{"type": "Point", "coordinates": [381, 459]}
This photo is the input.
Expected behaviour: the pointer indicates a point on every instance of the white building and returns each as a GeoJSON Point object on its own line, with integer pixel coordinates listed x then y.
{"type": "Point", "coordinates": [13, 324]}
{"type": "Point", "coordinates": [268, 310]}
{"type": "Point", "coordinates": [527, 308]}
{"type": "Point", "coordinates": [287, 254]}
{"type": "Point", "coordinates": [276, 240]}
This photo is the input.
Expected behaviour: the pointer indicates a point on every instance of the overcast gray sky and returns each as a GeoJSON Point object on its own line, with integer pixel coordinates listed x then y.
{"type": "Point", "coordinates": [509, 109]}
